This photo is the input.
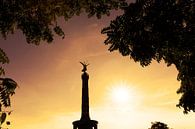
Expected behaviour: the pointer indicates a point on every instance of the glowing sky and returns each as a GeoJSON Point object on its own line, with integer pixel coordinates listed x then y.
{"type": "Point", "coordinates": [49, 96]}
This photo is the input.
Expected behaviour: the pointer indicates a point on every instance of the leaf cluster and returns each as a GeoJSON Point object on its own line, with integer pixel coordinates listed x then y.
{"type": "Point", "coordinates": [7, 89]}
{"type": "Point", "coordinates": [3, 60]}
{"type": "Point", "coordinates": [3, 116]}
{"type": "Point", "coordinates": [38, 19]}
{"type": "Point", "coordinates": [159, 30]}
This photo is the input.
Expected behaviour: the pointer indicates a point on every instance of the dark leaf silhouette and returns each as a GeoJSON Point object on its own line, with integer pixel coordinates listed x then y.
{"type": "Point", "coordinates": [3, 60]}
{"type": "Point", "coordinates": [3, 117]}
{"type": "Point", "coordinates": [38, 19]}
{"type": "Point", "coordinates": [7, 89]}
{"type": "Point", "coordinates": [8, 122]}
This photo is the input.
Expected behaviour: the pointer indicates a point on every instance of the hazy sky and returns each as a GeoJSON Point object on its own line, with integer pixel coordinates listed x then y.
{"type": "Point", "coordinates": [49, 96]}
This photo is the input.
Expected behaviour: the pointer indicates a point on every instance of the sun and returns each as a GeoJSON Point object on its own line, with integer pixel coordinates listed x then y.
{"type": "Point", "coordinates": [121, 93]}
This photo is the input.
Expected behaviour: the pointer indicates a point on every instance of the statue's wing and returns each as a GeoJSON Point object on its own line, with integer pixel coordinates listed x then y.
{"type": "Point", "coordinates": [82, 63]}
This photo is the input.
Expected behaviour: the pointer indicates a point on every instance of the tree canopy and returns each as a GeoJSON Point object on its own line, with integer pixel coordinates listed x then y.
{"type": "Point", "coordinates": [159, 30]}
{"type": "Point", "coordinates": [148, 30]}
{"type": "Point", "coordinates": [38, 19]}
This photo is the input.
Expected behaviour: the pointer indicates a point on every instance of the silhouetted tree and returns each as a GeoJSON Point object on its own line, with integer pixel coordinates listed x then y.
{"type": "Point", "coordinates": [38, 19]}
{"type": "Point", "coordinates": [159, 125]}
{"type": "Point", "coordinates": [159, 30]}
{"type": "Point", "coordinates": [7, 89]}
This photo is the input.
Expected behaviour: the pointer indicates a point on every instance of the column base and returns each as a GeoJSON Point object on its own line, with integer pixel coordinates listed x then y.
{"type": "Point", "coordinates": [85, 124]}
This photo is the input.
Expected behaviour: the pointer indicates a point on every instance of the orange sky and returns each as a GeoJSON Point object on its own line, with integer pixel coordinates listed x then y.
{"type": "Point", "coordinates": [49, 96]}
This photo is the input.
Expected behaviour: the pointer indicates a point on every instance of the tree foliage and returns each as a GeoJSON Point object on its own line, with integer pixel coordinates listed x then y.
{"type": "Point", "coordinates": [7, 89]}
{"type": "Point", "coordinates": [3, 60]}
{"type": "Point", "coordinates": [159, 125]}
{"type": "Point", "coordinates": [38, 19]}
{"type": "Point", "coordinates": [159, 30]}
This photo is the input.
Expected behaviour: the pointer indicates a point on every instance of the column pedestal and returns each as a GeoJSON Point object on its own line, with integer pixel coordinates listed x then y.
{"type": "Point", "coordinates": [89, 124]}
